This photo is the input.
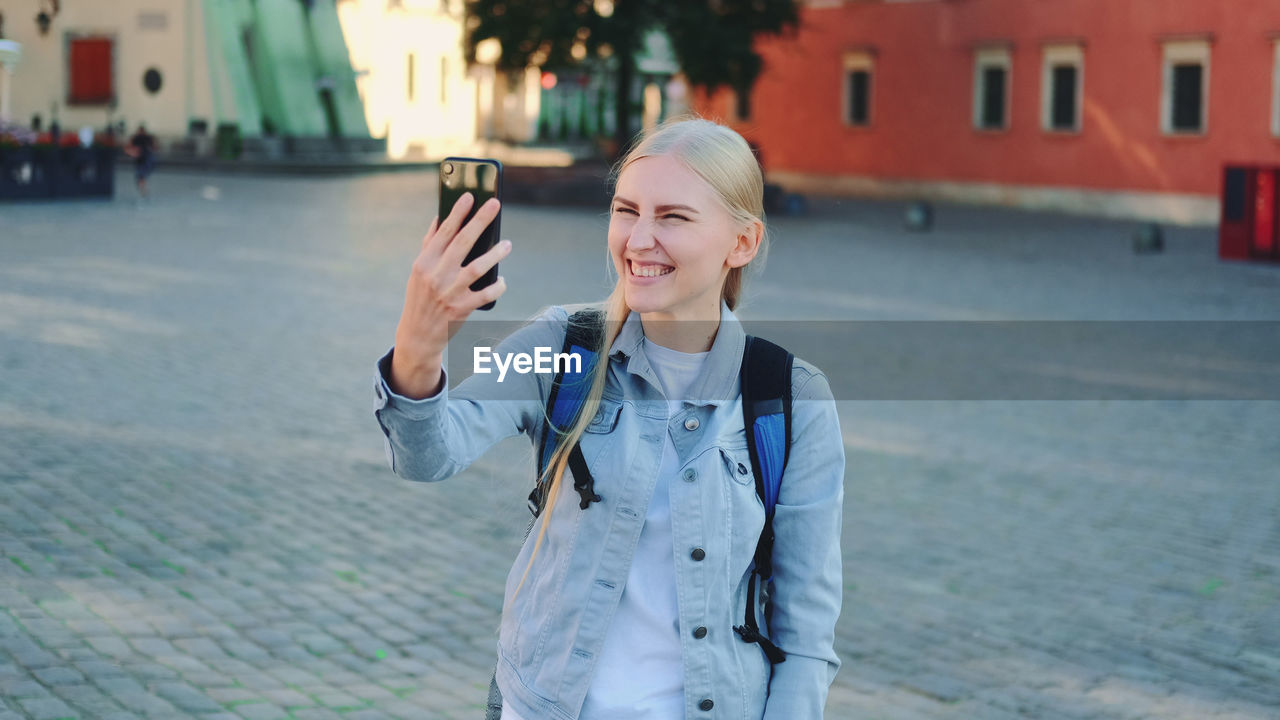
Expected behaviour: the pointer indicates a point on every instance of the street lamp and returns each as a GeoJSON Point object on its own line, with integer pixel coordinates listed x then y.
{"type": "Point", "coordinates": [45, 17]}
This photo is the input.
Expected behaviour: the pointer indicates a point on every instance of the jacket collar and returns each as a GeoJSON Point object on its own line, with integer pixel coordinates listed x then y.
{"type": "Point", "coordinates": [718, 383]}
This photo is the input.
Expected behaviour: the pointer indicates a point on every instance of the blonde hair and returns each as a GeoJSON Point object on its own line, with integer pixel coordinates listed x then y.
{"type": "Point", "coordinates": [724, 160]}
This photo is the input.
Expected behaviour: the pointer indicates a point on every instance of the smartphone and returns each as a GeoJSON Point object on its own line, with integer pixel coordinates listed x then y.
{"type": "Point", "coordinates": [483, 179]}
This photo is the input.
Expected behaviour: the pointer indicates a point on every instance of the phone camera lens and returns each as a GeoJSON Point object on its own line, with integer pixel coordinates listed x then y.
{"type": "Point", "coordinates": [448, 168]}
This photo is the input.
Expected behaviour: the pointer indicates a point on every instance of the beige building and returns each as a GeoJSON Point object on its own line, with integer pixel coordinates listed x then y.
{"type": "Point", "coordinates": [153, 50]}
{"type": "Point", "coordinates": [416, 87]}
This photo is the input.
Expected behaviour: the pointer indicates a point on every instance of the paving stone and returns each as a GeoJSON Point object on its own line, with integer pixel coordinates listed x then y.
{"type": "Point", "coordinates": [153, 646]}
{"type": "Point", "coordinates": [288, 698]}
{"type": "Point", "coordinates": [56, 676]}
{"type": "Point", "coordinates": [110, 645]}
{"type": "Point", "coordinates": [150, 671]}
{"type": "Point", "coordinates": [259, 681]}
{"type": "Point", "coordinates": [186, 697]}
{"type": "Point", "coordinates": [229, 695]}
{"type": "Point", "coordinates": [90, 699]}
{"type": "Point", "coordinates": [315, 714]}
{"type": "Point", "coordinates": [98, 669]}
{"type": "Point", "coordinates": [336, 699]}
{"type": "Point", "coordinates": [369, 714]}
{"type": "Point", "coordinates": [31, 656]}
{"type": "Point", "coordinates": [369, 692]}
{"type": "Point", "coordinates": [145, 703]}
{"type": "Point", "coordinates": [47, 709]}
{"type": "Point", "coordinates": [22, 687]}
{"type": "Point", "coordinates": [260, 711]}
{"type": "Point", "coordinates": [199, 647]}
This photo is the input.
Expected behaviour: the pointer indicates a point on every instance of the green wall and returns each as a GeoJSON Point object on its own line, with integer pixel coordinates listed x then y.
{"type": "Point", "coordinates": [275, 76]}
{"type": "Point", "coordinates": [335, 62]}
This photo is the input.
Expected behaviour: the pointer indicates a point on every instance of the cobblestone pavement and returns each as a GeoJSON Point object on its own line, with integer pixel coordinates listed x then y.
{"type": "Point", "coordinates": [196, 521]}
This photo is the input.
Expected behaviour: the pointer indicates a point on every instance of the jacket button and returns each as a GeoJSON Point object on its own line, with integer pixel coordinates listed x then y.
{"type": "Point", "coordinates": [706, 704]}
{"type": "Point", "coordinates": [700, 633]}
{"type": "Point", "coordinates": [742, 469]}
{"type": "Point", "coordinates": [698, 554]}
{"type": "Point", "coordinates": [691, 424]}
{"type": "Point", "coordinates": [690, 475]}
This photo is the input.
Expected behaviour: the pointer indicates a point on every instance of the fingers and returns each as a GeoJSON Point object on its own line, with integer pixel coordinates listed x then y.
{"type": "Point", "coordinates": [456, 250]}
{"type": "Point", "coordinates": [488, 294]}
{"type": "Point", "coordinates": [447, 228]}
{"type": "Point", "coordinates": [475, 269]}
{"type": "Point", "coordinates": [431, 231]}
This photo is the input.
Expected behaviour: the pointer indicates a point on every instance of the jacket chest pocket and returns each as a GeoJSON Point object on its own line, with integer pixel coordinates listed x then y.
{"type": "Point", "coordinates": [605, 418]}
{"type": "Point", "coordinates": [599, 436]}
{"type": "Point", "coordinates": [737, 463]}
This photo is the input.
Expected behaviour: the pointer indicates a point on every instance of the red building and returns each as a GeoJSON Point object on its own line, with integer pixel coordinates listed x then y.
{"type": "Point", "coordinates": [1120, 107]}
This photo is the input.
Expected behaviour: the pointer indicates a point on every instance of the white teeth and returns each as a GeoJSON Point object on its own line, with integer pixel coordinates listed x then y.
{"type": "Point", "coordinates": [650, 270]}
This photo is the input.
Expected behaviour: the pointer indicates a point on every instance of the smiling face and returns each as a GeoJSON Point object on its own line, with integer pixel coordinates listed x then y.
{"type": "Point", "coordinates": [673, 242]}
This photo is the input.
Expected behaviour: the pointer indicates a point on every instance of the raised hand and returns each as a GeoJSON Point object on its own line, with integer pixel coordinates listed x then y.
{"type": "Point", "coordinates": [439, 298]}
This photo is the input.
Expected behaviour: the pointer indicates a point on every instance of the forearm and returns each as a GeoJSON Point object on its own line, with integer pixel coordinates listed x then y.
{"type": "Point", "coordinates": [416, 376]}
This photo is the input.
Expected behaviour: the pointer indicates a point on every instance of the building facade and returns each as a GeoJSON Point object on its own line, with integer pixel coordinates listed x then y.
{"type": "Point", "coordinates": [187, 68]}
{"type": "Point", "coordinates": [416, 86]}
{"type": "Point", "coordinates": [1126, 108]}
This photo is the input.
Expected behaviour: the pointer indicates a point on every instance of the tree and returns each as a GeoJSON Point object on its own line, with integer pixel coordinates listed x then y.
{"type": "Point", "coordinates": [713, 40]}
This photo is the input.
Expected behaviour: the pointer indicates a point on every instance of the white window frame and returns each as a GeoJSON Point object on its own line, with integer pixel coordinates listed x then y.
{"type": "Point", "coordinates": [858, 61]}
{"type": "Point", "coordinates": [1275, 91]}
{"type": "Point", "coordinates": [1179, 52]}
{"type": "Point", "coordinates": [989, 57]}
{"type": "Point", "coordinates": [1056, 56]}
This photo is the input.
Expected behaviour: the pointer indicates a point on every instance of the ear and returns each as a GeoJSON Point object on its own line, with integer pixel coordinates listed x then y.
{"type": "Point", "coordinates": [747, 245]}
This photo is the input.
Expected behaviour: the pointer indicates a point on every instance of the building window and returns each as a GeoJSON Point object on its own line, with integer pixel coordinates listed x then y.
{"type": "Point", "coordinates": [858, 69]}
{"type": "Point", "coordinates": [91, 69]}
{"type": "Point", "coordinates": [991, 89]}
{"type": "Point", "coordinates": [1062, 88]}
{"type": "Point", "coordinates": [1184, 98]}
{"type": "Point", "coordinates": [444, 80]}
{"type": "Point", "coordinates": [1275, 92]}
{"type": "Point", "coordinates": [409, 74]}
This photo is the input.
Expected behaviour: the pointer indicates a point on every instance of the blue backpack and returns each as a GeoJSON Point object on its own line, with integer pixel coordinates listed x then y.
{"type": "Point", "coordinates": [766, 412]}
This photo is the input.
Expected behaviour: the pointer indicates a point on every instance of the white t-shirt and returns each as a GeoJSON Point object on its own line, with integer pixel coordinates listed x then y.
{"type": "Point", "coordinates": [639, 674]}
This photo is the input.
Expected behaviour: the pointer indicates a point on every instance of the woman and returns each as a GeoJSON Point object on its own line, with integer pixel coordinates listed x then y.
{"type": "Point", "coordinates": [626, 609]}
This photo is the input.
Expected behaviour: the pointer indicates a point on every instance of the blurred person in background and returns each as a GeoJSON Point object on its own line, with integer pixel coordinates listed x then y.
{"type": "Point", "coordinates": [142, 148]}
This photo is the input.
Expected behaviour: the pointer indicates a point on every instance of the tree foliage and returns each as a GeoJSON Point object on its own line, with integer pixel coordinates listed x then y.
{"type": "Point", "coordinates": [713, 40]}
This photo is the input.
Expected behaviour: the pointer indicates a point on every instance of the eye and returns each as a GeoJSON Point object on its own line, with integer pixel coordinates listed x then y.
{"type": "Point", "coordinates": [624, 209]}
{"type": "Point", "coordinates": [675, 216]}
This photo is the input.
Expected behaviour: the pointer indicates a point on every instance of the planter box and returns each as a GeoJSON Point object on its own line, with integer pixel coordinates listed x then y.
{"type": "Point", "coordinates": [46, 172]}
{"type": "Point", "coordinates": [25, 173]}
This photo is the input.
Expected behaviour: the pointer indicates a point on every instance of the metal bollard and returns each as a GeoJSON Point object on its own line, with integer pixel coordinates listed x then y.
{"type": "Point", "coordinates": [1148, 239]}
{"type": "Point", "coordinates": [919, 217]}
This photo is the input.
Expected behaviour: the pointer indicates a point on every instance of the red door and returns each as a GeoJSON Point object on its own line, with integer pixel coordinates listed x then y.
{"type": "Point", "coordinates": [91, 71]}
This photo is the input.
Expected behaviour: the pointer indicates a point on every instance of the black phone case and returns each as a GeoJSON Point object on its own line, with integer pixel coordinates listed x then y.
{"type": "Point", "coordinates": [491, 234]}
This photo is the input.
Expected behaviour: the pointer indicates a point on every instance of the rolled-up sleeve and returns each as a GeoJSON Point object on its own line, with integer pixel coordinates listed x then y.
{"type": "Point", "coordinates": [806, 555]}
{"type": "Point", "coordinates": [435, 438]}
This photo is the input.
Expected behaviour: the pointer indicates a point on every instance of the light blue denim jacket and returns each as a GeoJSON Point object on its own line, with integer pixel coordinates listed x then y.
{"type": "Point", "coordinates": [553, 631]}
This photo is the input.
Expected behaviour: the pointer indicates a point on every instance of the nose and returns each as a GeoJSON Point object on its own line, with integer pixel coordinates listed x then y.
{"type": "Point", "coordinates": [641, 237]}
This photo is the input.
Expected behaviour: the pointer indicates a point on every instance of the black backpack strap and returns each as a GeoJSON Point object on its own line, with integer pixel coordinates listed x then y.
{"type": "Point", "coordinates": [583, 336]}
{"type": "Point", "coordinates": [766, 393]}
